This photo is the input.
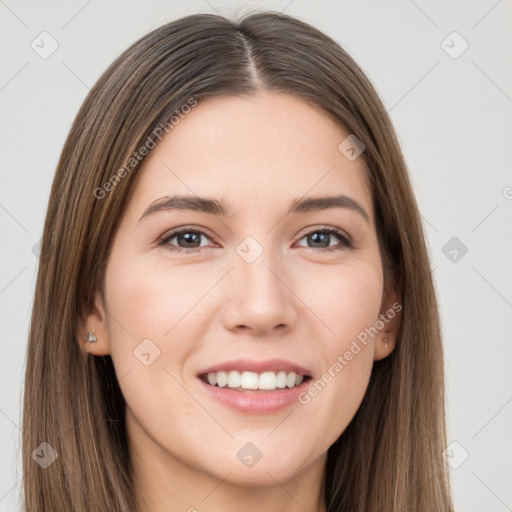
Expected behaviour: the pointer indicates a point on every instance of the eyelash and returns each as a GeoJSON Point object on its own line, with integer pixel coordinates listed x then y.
{"type": "Point", "coordinates": [345, 241]}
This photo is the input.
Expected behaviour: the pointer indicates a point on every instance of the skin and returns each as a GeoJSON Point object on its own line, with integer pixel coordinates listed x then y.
{"type": "Point", "coordinates": [295, 302]}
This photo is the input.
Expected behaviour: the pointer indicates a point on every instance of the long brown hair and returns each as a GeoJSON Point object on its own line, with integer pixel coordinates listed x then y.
{"type": "Point", "coordinates": [389, 458]}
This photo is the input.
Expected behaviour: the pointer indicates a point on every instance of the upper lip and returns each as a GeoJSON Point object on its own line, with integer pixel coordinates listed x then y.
{"type": "Point", "coordinates": [251, 365]}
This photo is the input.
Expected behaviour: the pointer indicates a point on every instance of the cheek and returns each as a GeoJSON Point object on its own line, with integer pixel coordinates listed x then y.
{"type": "Point", "coordinates": [156, 328]}
{"type": "Point", "coordinates": [150, 342]}
{"type": "Point", "coordinates": [150, 301]}
{"type": "Point", "coordinates": [352, 314]}
{"type": "Point", "coordinates": [347, 300]}
{"type": "Point", "coordinates": [348, 304]}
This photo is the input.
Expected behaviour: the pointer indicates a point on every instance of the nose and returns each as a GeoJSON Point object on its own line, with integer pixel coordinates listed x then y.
{"type": "Point", "coordinates": [260, 297]}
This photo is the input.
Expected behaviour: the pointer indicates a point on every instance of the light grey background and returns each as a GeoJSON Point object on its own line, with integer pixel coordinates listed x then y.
{"type": "Point", "coordinates": [453, 118]}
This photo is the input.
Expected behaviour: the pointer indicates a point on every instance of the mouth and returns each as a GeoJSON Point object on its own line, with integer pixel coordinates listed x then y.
{"type": "Point", "coordinates": [250, 386]}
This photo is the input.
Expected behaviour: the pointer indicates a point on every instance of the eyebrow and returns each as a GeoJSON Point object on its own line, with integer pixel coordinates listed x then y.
{"type": "Point", "coordinates": [220, 208]}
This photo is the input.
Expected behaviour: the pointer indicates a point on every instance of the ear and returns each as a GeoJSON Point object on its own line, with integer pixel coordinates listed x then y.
{"type": "Point", "coordinates": [94, 318]}
{"type": "Point", "coordinates": [390, 315]}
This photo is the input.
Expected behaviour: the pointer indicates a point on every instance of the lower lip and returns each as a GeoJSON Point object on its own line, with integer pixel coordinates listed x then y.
{"type": "Point", "coordinates": [256, 403]}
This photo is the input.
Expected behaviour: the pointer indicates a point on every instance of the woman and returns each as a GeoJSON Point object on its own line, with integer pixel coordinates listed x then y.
{"type": "Point", "coordinates": [234, 304]}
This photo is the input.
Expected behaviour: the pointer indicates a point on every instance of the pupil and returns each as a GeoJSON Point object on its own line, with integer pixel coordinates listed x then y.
{"type": "Point", "coordinates": [321, 237]}
{"type": "Point", "coordinates": [189, 238]}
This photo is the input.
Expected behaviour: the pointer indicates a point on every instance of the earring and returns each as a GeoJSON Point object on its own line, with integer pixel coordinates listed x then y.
{"type": "Point", "coordinates": [90, 338]}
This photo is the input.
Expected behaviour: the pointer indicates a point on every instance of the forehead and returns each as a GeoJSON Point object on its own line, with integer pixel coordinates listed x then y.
{"type": "Point", "coordinates": [270, 148]}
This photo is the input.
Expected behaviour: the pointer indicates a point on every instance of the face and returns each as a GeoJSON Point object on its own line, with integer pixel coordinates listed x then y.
{"type": "Point", "coordinates": [257, 282]}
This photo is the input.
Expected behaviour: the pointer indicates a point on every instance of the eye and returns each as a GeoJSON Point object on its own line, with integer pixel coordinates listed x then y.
{"type": "Point", "coordinates": [191, 238]}
{"type": "Point", "coordinates": [322, 236]}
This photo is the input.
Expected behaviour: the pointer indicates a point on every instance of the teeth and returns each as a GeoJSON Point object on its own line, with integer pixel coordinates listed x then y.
{"type": "Point", "coordinates": [248, 380]}
{"type": "Point", "coordinates": [222, 379]}
{"type": "Point", "coordinates": [252, 380]}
